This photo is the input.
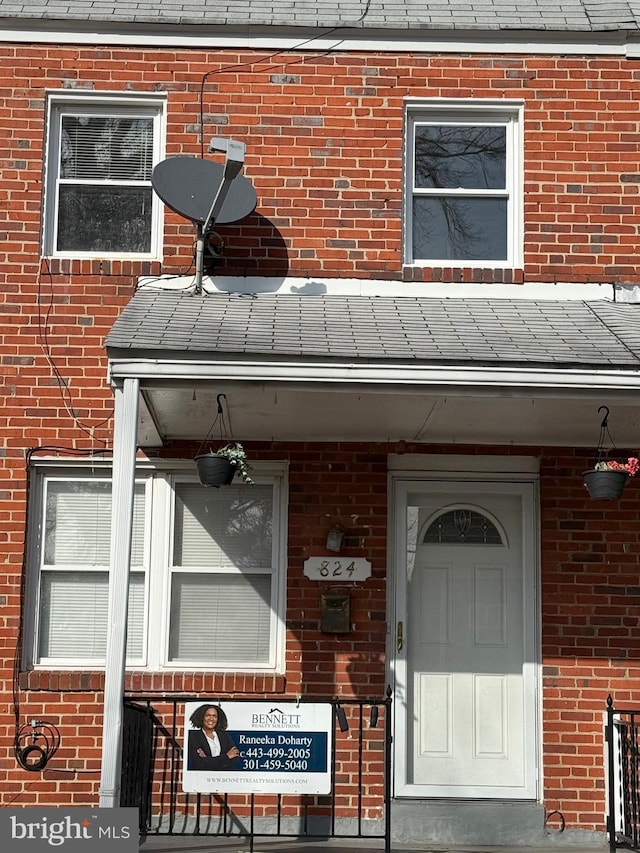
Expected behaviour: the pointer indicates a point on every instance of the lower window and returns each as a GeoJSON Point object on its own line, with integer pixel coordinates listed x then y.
{"type": "Point", "coordinates": [206, 587]}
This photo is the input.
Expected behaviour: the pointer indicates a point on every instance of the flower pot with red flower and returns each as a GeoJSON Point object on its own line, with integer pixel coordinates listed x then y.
{"type": "Point", "coordinates": [607, 479]}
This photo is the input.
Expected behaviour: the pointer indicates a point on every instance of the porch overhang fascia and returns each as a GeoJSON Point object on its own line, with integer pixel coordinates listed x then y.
{"type": "Point", "coordinates": [301, 400]}
{"type": "Point", "coordinates": [465, 379]}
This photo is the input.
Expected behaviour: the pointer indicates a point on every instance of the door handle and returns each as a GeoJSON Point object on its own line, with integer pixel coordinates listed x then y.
{"type": "Point", "coordinates": [399, 636]}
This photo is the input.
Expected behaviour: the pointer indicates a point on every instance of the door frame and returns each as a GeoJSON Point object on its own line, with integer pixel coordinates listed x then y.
{"type": "Point", "coordinates": [517, 475]}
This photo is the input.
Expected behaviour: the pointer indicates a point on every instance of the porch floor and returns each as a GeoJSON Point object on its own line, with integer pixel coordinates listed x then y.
{"type": "Point", "coordinates": [195, 844]}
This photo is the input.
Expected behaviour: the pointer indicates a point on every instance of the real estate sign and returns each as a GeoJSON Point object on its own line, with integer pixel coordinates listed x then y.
{"type": "Point", "coordinates": [275, 748]}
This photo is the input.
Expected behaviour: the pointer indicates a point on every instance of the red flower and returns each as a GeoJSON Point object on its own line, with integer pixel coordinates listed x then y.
{"type": "Point", "coordinates": [629, 467]}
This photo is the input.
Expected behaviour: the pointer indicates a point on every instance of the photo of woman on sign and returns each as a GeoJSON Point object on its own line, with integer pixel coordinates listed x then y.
{"type": "Point", "coordinates": [210, 747]}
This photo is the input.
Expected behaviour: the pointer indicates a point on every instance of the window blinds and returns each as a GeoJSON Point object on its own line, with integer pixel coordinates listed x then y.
{"type": "Point", "coordinates": [232, 527]}
{"type": "Point", "coordinates": [106, 148]}
{"type": "Point", "coordinates": [73, 621]}
{"type": "Point", "coordinates": [220, 618]}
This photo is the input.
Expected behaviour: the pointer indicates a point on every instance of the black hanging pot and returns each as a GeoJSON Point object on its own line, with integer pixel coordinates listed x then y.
{"type": "Point", "coordinates": [605, 485]}
{"type": "Point", "coordinates": [215, 470]}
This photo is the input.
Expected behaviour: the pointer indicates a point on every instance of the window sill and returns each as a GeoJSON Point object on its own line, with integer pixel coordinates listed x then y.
{"type": "Point", "coordinates": [155, 682]}
{"type": "Point", "coordinates": [131, 266]}
{"type": "Point", "coordinates": [471, 275]}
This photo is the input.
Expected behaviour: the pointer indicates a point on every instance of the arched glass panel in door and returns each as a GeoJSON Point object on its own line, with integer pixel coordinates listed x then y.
{"type": "Point", "coordinates": [462, 527]}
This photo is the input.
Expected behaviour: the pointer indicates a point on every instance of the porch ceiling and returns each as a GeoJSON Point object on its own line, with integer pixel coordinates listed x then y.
{"type": "Point", "coordinates": [302, 368]}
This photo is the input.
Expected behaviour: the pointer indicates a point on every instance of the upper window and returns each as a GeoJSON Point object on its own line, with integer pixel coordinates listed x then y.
{"type": "Point", "coordinates": [100, 155]}
{"type": "Point", "coordinates": [463, 198]}
{"type": "Point", "coordinates": [206, 586]}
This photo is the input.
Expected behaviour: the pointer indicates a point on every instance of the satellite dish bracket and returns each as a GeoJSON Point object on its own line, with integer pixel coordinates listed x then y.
{"type": "Point", "coordinates": [234, 161]}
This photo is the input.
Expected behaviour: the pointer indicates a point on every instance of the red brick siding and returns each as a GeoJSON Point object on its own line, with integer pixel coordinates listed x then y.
{"type": "Point", "coordinates": [324, 150]}
{"type": "Point", "coordinates": [590, 635]}
{"type": "Point", "coordinates": [325, 154]}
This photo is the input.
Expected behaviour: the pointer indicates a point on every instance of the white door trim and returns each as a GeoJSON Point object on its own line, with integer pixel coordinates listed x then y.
{"type": "Point", "coordinates": [525, 484]}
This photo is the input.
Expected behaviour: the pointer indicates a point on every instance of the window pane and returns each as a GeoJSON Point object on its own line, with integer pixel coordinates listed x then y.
{"type": "Point", "coordinates": [106, 219]}
{"type": "Point", "coordinates": [220, 618]}
{"type": "Point", "coordinates": [454, 228]}
{"type": "Point", "coordinates": [225, 527]}
{"type": "Point", "coordinates": [78, 524]}
{"type": "Point", "coordinates": [460, 157]}
{"type": "Point", "coordinates": [103, 148]}
{"type": "Point", "coordinates": [73, 615]}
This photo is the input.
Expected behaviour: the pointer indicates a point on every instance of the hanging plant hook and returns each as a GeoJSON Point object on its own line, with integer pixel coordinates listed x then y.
{"type": "Point", "coordinates": [219, 419]}
{"type": "Point", "coordinates": [608, 477]}
{"type": "Point", "coordinates": [219, 467]}
{"type": "Point", "coordinates": [604, 434]}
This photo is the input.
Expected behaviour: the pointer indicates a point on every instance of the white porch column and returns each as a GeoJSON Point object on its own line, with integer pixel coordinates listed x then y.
{"type": "Point", "coordinates": [124, 468]}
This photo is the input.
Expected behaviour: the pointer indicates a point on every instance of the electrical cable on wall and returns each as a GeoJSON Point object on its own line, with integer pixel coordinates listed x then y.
{"type": "Point", "coordinates": [240, 65]}
{"type": "Point", "coordinates": [63, 385]}
{"type": "Point", "coordinates": [35, 743]}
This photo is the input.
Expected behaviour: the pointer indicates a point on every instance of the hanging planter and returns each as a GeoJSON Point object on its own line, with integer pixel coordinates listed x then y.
{"type": "Point", "coordinates": [607, 479]}
{"type": "Point", "coordinates": [605, 485]}
{"type": "Point", "coordinates": [214, 470]}
{"type": "Point", "coordinates": [220, 467]}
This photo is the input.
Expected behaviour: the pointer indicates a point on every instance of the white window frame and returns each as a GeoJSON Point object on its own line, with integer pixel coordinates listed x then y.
{"type": "Point", "coordinates": [99, 104]}
{"type": "Point", "coordinates": [159, 510]}
{"type": "Point", "coordinates": [507, 113]}
{"type": "Point", "coordinates": [101, 476]}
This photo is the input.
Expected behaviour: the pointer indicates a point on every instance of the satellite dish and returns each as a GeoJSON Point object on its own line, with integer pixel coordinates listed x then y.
{"type": "Point", "coordinates": [205, 192]}
{"type": "Point", "coordinates": [188, 186]}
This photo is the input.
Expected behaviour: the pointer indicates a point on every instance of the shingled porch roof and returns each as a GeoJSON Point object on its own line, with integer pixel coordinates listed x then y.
{"type": "Point", "coordinates": [509, 356]}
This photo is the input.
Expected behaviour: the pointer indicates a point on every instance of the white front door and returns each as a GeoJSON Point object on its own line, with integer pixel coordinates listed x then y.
{"type": "Point", "coordinates": [466, 655]}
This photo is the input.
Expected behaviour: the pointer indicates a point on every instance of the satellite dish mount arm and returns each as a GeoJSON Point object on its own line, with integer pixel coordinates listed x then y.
{"type": "Point", "coordinates": [232, 167]}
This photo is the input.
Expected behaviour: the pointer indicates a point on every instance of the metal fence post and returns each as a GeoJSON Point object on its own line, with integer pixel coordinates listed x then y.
{"type": "Point", "coordinates": [609, 739]}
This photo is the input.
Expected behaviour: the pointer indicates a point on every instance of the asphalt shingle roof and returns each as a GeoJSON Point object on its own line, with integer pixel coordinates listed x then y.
{"type": "Point", "coordinates": [478, 331]}
{"type": "Point", "coordinates": [551, 15]}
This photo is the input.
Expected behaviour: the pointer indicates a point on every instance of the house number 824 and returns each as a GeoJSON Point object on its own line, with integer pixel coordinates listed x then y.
{"type": "Point", "coordinates": [327, 568]}
{"type": "Point", "coordinates": [335, 568]}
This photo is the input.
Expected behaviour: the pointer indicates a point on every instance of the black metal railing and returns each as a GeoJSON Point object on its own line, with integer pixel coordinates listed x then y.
{"type": "Point", "coordinates": [137, 764]}
{"type": "Point", "coordinates": [623, 772]}
{"type": "Point", "coordinates": [359, 805]}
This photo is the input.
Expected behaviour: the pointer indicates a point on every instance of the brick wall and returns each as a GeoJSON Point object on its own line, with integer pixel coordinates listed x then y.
{"type": "Point", "coordinates": [324, 151]}
{"type": "Point", "coordinates": [324, 138]}
{"type": "Point", "coordinates": [590, 637]}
